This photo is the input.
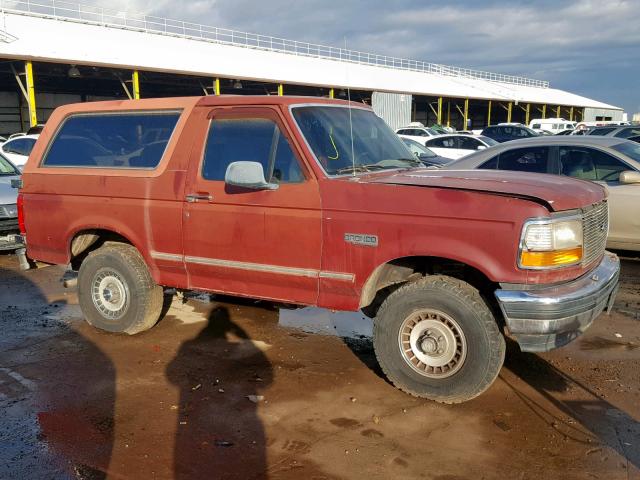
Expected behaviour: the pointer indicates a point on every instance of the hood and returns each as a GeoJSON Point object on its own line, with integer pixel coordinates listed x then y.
{"type": "Point", "coordinates": [559, 193]}
{"type": "Point", "coordinates": [8, 194]}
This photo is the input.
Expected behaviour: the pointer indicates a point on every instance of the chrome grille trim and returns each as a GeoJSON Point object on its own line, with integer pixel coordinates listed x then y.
{"type": "Point", "coordinates": [595, 226]}
{"type": "Point", "coordinates": [3, 212]}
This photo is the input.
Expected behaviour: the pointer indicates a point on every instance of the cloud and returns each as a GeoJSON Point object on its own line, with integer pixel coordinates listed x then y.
{"type": "Point", "coordinates": [589, 47]}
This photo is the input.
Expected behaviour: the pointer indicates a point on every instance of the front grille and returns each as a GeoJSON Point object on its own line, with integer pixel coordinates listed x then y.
{"type": "Point", "coordinates": [8, 225]}
{"type": "Point", "coordinates": [595, 225]}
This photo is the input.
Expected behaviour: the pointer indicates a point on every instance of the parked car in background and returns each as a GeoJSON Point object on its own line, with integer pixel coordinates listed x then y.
{"type": "Point", "coordinates": [609, 161]}
{"type": "Point", "coordinates": [565, 132]}
{"type": "Point", "coordinates": [505, 133]}
{"type": "Point", "coordinates": [17, 149]}
{"type": "Point", "coordinates": [618, 132]}
{"type": "Point", "coordinates": [8, 204]}
{"type": "Point", "coordinates": [424, 154]}
{"type": "Point", "coordinates": [419, 134]}
{"type": "Point", "coordinates": [551, 125]}
{"type": "Point", "coordinates": [635, 138]}
{"type": "Point", "coordinates": [456, 146]}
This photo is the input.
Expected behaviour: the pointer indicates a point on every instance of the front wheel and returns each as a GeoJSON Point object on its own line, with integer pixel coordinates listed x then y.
{"type": "Point", "coordinates": [436, 338]}
{"type": "Point", "coordinates": [116, 291]}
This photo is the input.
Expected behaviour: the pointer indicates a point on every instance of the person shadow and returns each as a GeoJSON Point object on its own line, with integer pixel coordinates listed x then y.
{"type": "Point", "coordinates": [220, 375]}
{"type": "Point", "coordinates": [57, 388]}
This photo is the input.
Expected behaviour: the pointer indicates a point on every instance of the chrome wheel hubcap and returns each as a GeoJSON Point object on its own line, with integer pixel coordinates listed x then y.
{"type": "Point", "coordinates": [110, 294]}
{"type": "Point", "coordinates": [432, 343]}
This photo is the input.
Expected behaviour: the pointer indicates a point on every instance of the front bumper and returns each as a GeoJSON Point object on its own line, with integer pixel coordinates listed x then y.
{"type": "Point", "coordinates": [11, 242]}
{"type": "Point", "coordinates": [550, 317]}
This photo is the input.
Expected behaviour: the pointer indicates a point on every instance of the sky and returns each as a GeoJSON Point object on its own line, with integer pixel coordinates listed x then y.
{"type": "Point", "coordinates": [590, 48]}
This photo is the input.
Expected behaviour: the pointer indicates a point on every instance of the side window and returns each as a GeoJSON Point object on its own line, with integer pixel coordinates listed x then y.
{"type": "Point", "coordinates": [18, 147]}
{"type": "Point", "coordinates": [590, 164]}
{"type": "Point", "coordinates": [250, 140]}
{"type": "Point", "coordinates": [403, 132]}
{"type": "Point", "coordinates": [437, 142]}
{"type": "Point", "coordinates": [536, 125]}
{"type": "Point", "coordinates": [112, 140]}
{"type": "Point", "coordinates": [531, 159]}
{"type": "Point", "coordinates": [490, 164]}
{"type": "Point", "coordinates": [508, 131]}
{"type": "Point", "coordinates": [468, 143]}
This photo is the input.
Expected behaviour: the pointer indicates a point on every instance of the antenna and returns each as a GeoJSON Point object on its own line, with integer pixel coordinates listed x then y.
{"type": "Point", "coordinates": [353, 157]}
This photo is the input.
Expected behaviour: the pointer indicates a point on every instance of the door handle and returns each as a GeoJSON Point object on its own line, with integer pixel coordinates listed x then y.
{"type": "Point", "coordinates": [196, 197]}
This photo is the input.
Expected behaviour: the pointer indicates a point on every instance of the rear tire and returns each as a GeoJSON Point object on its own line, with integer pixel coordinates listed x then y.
{"type": "Point", "coordinates": [116, 291]}
{"type": "Point", "coordinates": [436, 338]}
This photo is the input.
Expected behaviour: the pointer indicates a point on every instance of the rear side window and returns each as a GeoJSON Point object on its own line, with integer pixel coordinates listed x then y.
{"type": "Point", "coordinates": [21, 146]}
{"type": "Point", "coordinates": [112, 140]}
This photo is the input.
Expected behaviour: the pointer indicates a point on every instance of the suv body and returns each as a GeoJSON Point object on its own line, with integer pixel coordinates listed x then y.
{"type": "Point", "coordinates": [273, 198]}
{"type": "Point", "coordinates": [505, 133]}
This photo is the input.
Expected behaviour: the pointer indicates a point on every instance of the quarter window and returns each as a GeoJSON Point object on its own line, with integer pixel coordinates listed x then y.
{"type": "Point", "coordinates": [108, 140]}
{"type": "Point", "coordinates": [590, 164]}
{"type": "Point", "coordinates": [250, 140]}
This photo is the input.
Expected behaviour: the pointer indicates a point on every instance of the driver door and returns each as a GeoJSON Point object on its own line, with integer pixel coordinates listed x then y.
{"type": "Point", "coordinates": [257, 243]}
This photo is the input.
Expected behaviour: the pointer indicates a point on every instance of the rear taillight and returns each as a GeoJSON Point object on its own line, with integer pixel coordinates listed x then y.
{"type": "Point", "coordinates": [20, 202]}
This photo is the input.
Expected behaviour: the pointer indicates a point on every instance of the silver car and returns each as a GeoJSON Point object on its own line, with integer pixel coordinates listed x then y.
{"type": "Point", "coordinates": [8, 203]}
{"type": "Point", "coordinates": [610, 161]}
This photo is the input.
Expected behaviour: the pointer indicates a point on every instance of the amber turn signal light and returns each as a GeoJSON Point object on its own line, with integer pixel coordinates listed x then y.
{"type": "Point", "coordinates": [555, 258]}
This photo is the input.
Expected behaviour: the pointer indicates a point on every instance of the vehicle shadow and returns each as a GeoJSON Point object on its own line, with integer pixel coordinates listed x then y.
{"type": "Point", "coordinates": [220, 375]}
{"type": "Point", "coordinates": [606, 424]}
{"type": "Point", "coordinates": [57, 389]}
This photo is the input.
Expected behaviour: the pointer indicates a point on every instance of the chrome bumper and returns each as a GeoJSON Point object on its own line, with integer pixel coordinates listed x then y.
{"type": "Point", "coordinates": [550, 317]}
{"type": "Point", "coordinates": [11, 242]}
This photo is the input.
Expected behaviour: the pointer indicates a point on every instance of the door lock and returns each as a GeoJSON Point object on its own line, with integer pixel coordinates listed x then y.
{"type": "Point", "coordinates": [196, 197]}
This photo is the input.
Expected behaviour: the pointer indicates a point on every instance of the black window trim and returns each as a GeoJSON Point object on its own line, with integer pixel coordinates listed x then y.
{"type": "Point", "coordinates": [164, 111]}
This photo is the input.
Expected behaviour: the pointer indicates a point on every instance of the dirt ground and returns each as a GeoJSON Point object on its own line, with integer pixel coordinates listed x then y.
{"type": "Point", "coordinates": [221, 390]}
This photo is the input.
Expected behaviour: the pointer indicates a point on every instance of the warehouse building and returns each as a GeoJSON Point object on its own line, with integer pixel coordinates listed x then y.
{"type": "Point", "coordinates": [53, 53]}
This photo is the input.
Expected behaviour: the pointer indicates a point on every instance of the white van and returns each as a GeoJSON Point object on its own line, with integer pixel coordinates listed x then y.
{"type": "Point", "coordinates": [551, 125]}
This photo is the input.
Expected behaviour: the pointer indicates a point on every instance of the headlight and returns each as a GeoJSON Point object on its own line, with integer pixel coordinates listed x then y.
{"type": "Point", "coordinates": [551, 243]}
{"type": "Point", "coordinates": [12, 210]}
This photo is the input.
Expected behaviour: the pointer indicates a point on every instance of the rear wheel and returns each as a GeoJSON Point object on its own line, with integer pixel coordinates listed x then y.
{"type": "Point", "coordinates": [116, 291]}
{"type": "Point", "coordinates": [436, 338]}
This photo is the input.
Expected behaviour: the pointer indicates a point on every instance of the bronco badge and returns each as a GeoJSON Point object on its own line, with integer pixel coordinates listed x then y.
{"type": "Point", "coordinates": [361, 239]}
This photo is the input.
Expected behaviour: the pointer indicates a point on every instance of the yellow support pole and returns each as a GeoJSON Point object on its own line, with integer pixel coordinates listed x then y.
{"type": "Point", "coordinates": [136, 85]}
{"type": "Point", "coordinates": [449, 113]}
{"type": "Point", "coordinates": [216, 86]}
{"type": "Point", "coordinates": [439, 111]}
{"type": "Point", "coordinates": [31, 94]}
{"type": "Point", "coordinates": [528, 114]}
{"type": "Point", "coordinates": [332, 93]}
{"type": "Point", "coordinates": [558, 111]}
{"type": "Point", "coordinates": [489, 114]}
{"type": "Point", "coordinates": [280, 90]}
{"type": "Point", "coordinates": [544, 111]}
{"type": "Point", "coordinates": [466, 113]}
{"type": "Point", "coordinates": [571, 114]}
{"type": "Point", "coordinates": [509, 110]}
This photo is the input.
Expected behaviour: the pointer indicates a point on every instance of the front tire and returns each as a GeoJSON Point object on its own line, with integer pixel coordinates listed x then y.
{"type": "Point", "coordinates": [116, 291]}
{"type": "Point", "coordinates": [436, 338]}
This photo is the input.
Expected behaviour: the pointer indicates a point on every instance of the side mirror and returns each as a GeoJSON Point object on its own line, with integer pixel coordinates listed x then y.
{"type": "Point", "coordinates": [247, 175]}
{"type": "Point", "coordinates": [481, 147]}
{"type": "Point", "coordinates": [16, 183]}
{"type": "Point", "coordinates": [630, 177]}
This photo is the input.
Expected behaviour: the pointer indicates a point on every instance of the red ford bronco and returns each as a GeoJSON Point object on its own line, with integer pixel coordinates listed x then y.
{"type": "Point", "coordinates": [314, 201]}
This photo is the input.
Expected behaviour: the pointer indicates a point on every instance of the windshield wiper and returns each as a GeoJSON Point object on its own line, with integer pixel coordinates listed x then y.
{"type": "Point", "coordinates": [359, 168]}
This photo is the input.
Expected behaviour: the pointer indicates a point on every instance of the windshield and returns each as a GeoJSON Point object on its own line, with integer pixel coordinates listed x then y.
{"type": "Point", "coordinates": [373, 145]}
{"type": "Point", "coordinates": [6, 168]}
{"type": "Point", "coordinates": [630, 149]}
{"type": "Point", "coordinates": [418, 149]}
